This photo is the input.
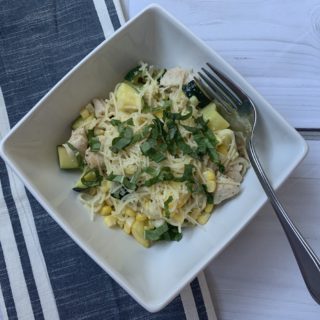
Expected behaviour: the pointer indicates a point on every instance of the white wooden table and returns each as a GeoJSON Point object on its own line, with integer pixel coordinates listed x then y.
{"type": "Point", "coordinates": [276, 46]}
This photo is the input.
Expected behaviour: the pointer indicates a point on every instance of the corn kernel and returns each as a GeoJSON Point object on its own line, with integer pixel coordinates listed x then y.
{"type": "Point", "coordinates": [203, 219]}
{"type": "Point", "coordinates": [130, 213]}
{"type": "Point", "coordinates": [120, 223]}
{"type": "Point", "coordinates": [195, 213]}
{"type": "Point", "coordinates": [222, 149]}
{"type": "Point", "coordinates": [84, 114]}
{"type": "Point", "coordinates": [98, 131]}
{"type": "Point", "coordinates": [141, 217]}
{"type": "Point", "coordinates": [208, 208]}
{"type": "Point", "coordinates": [130, 169]}
{"type": "Point", "coordinates": [171, 205]}
{"type": "Point", "coordinates": [127, 229]}
{"type": "Point", "coordinates": [178, 216]}
{"type": "Point", "coordinates": [138, 233]}
{"type": "Point", "coordinates": [209, 175]}
{"type": "Point", "coordinates": [211, 186]}
{"type": "Point", "coordinates": [159, 114]}
{"type": "Point", "coordinates": [108, 202]}
{"type": "Point", "coordinates": [110, 221]}
{"type": "Point", "coordinates": [183, 200]}
{"type": "Point", "coordinates": [105, 186]}
{"type": "Point", "coordinates": [105, 210]}
{"type": "Point", "coordinates": [128, 225]}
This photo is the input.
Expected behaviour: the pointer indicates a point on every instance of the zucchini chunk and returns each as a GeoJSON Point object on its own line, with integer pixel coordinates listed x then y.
{"type": "Point", "coordinates": [80, 121]}
{"type": "Point", "coordinates": [66, 161]}
{"type": "Point", "coordinates": [192, 89]}
{"type": "Point", "coordinates": [128, 98]}
{"type": "Point", "coordinates": [216, 121]}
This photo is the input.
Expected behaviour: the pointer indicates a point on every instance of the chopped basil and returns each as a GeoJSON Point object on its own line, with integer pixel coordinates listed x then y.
{"type": "Point", "coordinates": [164, 105]}
{"type": "Point", "coordinates": [91, 178]}
{"type": "Point", "coordinates": [155, 234]}
{"type": "Point", "coordinates": [128, 183]}
{"type": "Point", "coordinates": [178, 116]}
{"type": "Point", "coordinates": [135, 76]}
{"type": "Point", "coordinates": [205, 140]}
{"type": "Point", "coordinates": [125, 135]}
{"type": "Point", "coordinates": [141, 134]}
{"type": "Point", "coordinates": [93, 141]}
{"type": "Point", "coordinates": [164, 174]}
{"type": "Point", "coordinates": [124, 139]}
{"type": "Point", "coordinates": [166, 207]}
{"type": "Point", "coordinates": [187, 174]}
{"type": "Point", "coordinates": [164, 232]}
{"type": "Point", "coordinates": [155, 147]}
{"type": "Point", "coordinates": [120, 193]}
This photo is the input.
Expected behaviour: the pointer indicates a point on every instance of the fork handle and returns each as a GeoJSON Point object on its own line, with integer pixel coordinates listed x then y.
{"type": "Point", "coordinates": [307, 260]}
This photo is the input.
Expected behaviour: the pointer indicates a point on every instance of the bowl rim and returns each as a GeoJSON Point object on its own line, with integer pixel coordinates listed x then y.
{"type": "Point", "coordinates": [150, 306]}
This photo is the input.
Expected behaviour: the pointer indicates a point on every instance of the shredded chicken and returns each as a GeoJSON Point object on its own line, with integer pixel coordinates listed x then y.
{"type": "Point", "coordinates": [94, 159]}
{"type": "Point", "coordinates": [173, 77]}
{"type": "Point", "coordinates": [79, 140]}
{"type": "Point", "coordinates": [237, 169]}
{"type": "Point", "coordinates": [226, 188]}
{"type": "Point", "coordinates": [99, 107]}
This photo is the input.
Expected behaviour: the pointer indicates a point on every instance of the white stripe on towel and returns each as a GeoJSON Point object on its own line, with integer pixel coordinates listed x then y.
{"type": "Point", "coordinates": [14, 268]}
{"type": "Point", "coordinates": [104, 17]}
{"type": "Point", "coordinates": [206, 296]}
{"type": "Point", "coordinates": [189, 305]}
{"type": "Point", "coordinates": [119, 9]}
{"type": "Point", "coordinates": [30, 234]}
{"type": "Point", "coordinates": [3, 311]}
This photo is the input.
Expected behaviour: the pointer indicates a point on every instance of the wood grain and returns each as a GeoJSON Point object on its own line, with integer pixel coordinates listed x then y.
{"type": "Point", "coordinates": [273, 44]}
{"type": "Point", "coordinates": [256, 277]}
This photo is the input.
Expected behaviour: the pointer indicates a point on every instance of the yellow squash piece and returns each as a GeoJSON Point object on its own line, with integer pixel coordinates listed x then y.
{"type": "Point", "coordinates": [128, 98]}
{"type": "Point", "coordinates": [216, 121]}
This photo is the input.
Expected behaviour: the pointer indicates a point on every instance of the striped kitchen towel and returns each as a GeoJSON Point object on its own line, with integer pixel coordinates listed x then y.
{"type": "Point", "coordinates": [43, 273]}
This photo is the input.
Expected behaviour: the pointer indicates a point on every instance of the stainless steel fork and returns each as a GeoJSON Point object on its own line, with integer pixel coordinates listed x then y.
{"type": "Point", "coordinates": [241, 111]}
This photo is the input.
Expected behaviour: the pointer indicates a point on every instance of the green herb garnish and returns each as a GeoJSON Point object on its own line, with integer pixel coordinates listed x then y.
{"type": "Point", "coordinates": [91, 178]}
{"type": "Point", "coordinates": [125, 135]}
{"type": "Point", "coordinates": [164, 232]}
{"type": "Point", "coordinates": [129, 183]}
{"type": "Point", "coordinates": [164, 174]}
{"type": "Point", "coordinates": [205, 140]}
{"type": "Point", "coordinates": [93, 141]}
{"type": "Point", "coordinates": [166, 207]}
{"type": "Point", "coordinates": [155, 146]}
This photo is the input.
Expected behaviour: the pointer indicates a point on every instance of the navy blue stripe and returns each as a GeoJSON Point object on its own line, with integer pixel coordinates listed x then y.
{"type": "Point", "coordinates": [6, 289]}
{"type": "Point", "coordinates": [39, 42]}
{"type": "Point", "coordinates": [21, 245]}
{"type": "Point", "coordinates": [113, 14]}
{"type": "Point", "coordinates": [198, 298]}
{"type": "Point", "coordinates": [82, 289]}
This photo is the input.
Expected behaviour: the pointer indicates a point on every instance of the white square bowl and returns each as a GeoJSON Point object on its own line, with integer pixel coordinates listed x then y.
{"type": "Point", "coordinates": [152, 276]}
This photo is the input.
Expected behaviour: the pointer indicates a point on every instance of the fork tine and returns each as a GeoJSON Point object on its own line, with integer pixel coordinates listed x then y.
{"type": "Point", "coordinates": [221, 87]}
{"type": "Point", "coordinates": [233, 88]}
{"type": "Point", "coordinates": [215, 92]}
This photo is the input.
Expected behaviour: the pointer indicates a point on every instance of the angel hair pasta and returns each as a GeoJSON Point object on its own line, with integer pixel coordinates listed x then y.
{"type": "Point", "coordinates": [156, 155]}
